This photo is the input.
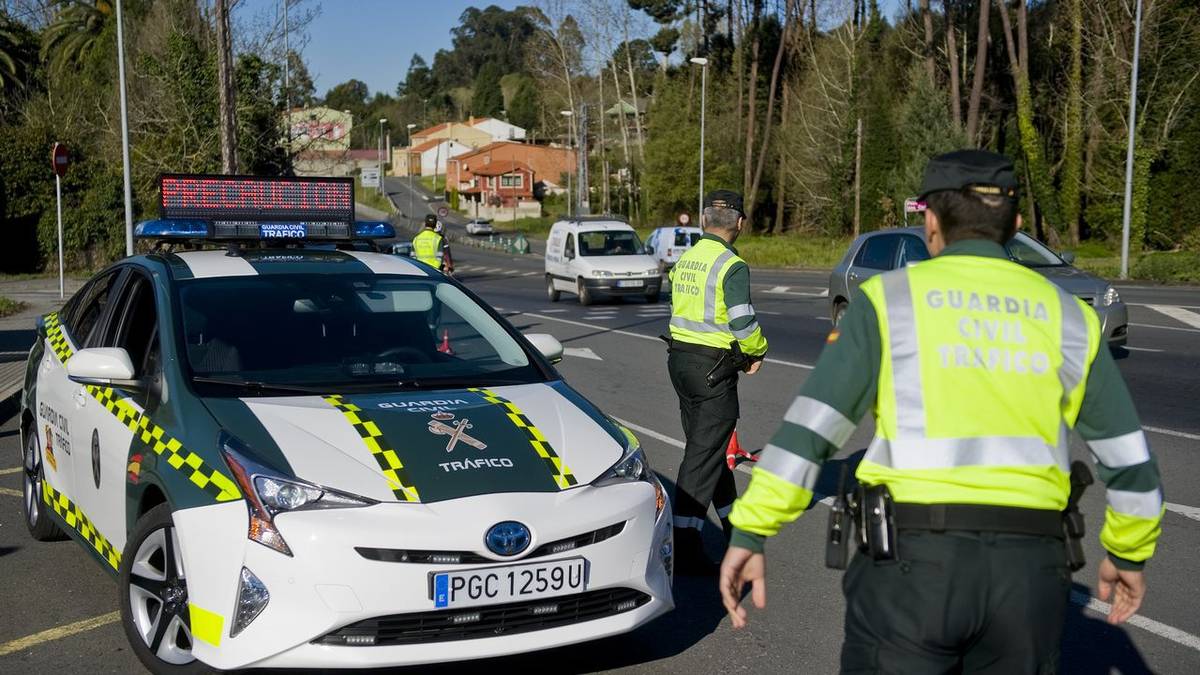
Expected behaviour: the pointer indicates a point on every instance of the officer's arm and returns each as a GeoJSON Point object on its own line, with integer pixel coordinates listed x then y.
{"type": "Point", "coordinates": [742, 320]}
{"type": "Point", "coordinates": [824, 415]}
{"type": "Point", "coordinates": [1110, 425]}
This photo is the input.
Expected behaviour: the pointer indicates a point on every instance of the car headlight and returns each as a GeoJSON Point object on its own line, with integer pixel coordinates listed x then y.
{"type": "Point", "coordinates": [651, 272]}
{"type": "Point", "coordinates": [269, 493]}
{"type": "Point", "coordinates": [601, 273]}
{"type": "Point", "coordinates": [1110, 296]}
{"type": "Point", "coordinates": [634, 467]}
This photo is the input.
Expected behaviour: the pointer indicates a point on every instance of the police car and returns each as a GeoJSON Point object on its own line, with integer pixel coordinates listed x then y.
{"type": "Point", "coordinates": [292, 453]}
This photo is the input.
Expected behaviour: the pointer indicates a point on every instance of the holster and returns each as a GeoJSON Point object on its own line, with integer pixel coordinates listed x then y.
{"type": "Point", "coordinates": [1073, 526]}
{"type": "Point", "coordinates": [730, 363]}
{"type": "Point", "coordinates": [841, 524]}
{"type": "Point", "coordinates": [876, 520]}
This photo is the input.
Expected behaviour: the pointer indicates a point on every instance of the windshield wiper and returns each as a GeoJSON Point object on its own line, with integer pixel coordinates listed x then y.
{"type": "Point", "coordinates": [260, 386]}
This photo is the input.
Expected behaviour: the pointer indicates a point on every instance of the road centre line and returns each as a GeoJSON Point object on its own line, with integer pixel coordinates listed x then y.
{"type": "Point", "coordinates": [9, 492]}
{"type": "Point", "coordinates": [1143, 349]}
{"type": "Point", "coordinates": [58, 632]}
{"type": "Point", "coordinates": [1178, 313]}
{"type": "Point", "coordinates": [15, 469]}
{"type": "Point", "coordinates": [1172, 432]}
{"type": "Point", "coordinates": [1151, 325]}
{"type": "Point", "coordinates": [1081, 599]}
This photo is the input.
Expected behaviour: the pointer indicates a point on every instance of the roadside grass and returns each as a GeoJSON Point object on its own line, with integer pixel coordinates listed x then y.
{"type": "Point", "coordinates": [792, 250]}
{"type": "Point", "coordinates": [1103, 259]}
{"type": "Point", "coordinates": [371, 197]}
{"type": "Point", "coordinates": [427, 182]}
{"type": "Point", "coordinates": [8, 306]}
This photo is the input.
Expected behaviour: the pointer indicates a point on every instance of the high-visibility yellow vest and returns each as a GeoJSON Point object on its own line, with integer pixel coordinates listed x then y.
{"type": "Point", "coordinates": [698, 311]}
{"type": "Point", "coordinates": [427, 247]}
{"type": "Point", "coordinates": [983, 370]}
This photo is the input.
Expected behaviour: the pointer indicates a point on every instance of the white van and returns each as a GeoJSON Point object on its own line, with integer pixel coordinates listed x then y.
{"type": "Point", "coordinates": [667, 244]}
{"type": "Point", "coordinates": [594, 256]}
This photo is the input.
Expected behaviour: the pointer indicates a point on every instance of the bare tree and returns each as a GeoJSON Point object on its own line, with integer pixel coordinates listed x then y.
{"type": "Point", "coordinates": [927, 20]}
{"type": "Point", "coordinates": [952, 54]}
{"type": "Point", "coordinates": [981, 50]}
{"type": "Point", "coordinates": [785, 43]}
{"type": "Point", "coordinates": [225, 86]}
{"type": "Point", "coordinates": [751, 96]}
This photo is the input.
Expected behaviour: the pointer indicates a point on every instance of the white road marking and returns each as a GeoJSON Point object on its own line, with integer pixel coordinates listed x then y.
{"type": "Point", "coordinates": [1146, 304]}
{"type": "Point", "coordinates": [1185, 511]}
{"type": "Point", "coordinates": [783, 290]}
{"type": "Point", "coordinates": [780, 362]}
{"type": "Point", "coordinates": [763, 311]}
{"type": "Point", "coordinates": [1172, 432]}
{"type": "Point", "coordinates": [600, 317]}
{"type": "Point", "coordinates": [15, 469]}
{"type": "Point", "coordinates": [1141, 349]}
{"type": "Point", "coordinates": [1178, 313]}
{"type": "Point", "coordinates": [58, 632]}
{"type": "Point", "coordinates": [779, 289]}
{"type": "Point", "coordinates": [1082, 599]}
{"type": "Point", "coordinates": [553, 311]}
{"type": "Point", "coordinates": [9, 492]}
{"type": "Point", "coordinates": [531, 273]}
{"type": "Point", "coordinates": [581, 352]}
{"type": "Point", "coordinates": [1153, 325]}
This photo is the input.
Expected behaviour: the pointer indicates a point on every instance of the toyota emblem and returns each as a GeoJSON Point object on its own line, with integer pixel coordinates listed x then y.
{"type": "Point", "coordinates": [508, 538]}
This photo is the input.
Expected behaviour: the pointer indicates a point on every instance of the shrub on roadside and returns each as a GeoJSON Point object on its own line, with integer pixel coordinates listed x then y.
{"type": "Point", "coordinates": [1175, 266]}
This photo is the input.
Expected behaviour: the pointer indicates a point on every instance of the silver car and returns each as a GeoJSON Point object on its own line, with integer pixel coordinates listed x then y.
{"type": "Point", "coordinates": [885, 250]}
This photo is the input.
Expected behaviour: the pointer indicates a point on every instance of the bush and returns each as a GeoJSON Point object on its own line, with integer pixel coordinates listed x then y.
{"type": "Point", "coordinates": [1180, 266]}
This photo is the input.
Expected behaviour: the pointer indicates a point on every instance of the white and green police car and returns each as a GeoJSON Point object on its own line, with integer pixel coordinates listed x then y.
{"type": "Point", "coordinates": [290, 453]}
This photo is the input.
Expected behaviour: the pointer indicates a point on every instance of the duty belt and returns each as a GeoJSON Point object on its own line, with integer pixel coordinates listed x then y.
{"type": "Point", "coordinates": [979, 518]}
{"type": "Point", "coordinates": [692, 348]}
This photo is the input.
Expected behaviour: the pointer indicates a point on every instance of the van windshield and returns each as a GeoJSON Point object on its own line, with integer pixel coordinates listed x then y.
{"type": "Point", "coordinates": [609, 242]}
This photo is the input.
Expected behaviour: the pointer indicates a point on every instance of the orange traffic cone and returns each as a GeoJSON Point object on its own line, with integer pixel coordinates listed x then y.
{"type": "Point", "coordinates": [445, 347]}
{"type": "Point", "coordinates": [734, 454]}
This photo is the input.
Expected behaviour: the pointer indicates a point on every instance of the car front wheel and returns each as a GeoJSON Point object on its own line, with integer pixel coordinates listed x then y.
{"type": "Point", "coordinates": [552, 293]}
{"type": "Point", "coordinates": [585, 294]}
{"type": "Point", "coordinates": [839, 310]}
{"type": "Point", "coordinates": [154, 599]}
{"type": "Point", "coordinates": [37, 514]}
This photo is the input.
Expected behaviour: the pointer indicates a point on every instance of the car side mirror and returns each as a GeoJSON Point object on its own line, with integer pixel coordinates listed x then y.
{"type": "Point", "coordinates": [1068, 257]}
{"type": "Point", "coordinates": [649, 250]}
{"type": "Point", "coordinates": [547, 345]}
{"type": "Point", "coordinates": [102, 366]}
{"type": "Point", "coordinates": [570, 255]}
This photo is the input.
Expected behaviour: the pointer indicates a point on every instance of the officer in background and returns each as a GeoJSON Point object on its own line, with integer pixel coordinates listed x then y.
{"type": "Point", "coordinates": [430, 247]}
{"type": "Point", "coordinates": [714, 336]}
{"type": "Point", "coordinates": [976, 369]}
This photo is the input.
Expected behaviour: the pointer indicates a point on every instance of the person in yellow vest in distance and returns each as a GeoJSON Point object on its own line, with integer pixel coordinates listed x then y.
{"type": "Point", "coordinates": [714, 336]}
{"type": "Point", "coordinates": [431, 247]}
{"type": "Point", "coordinates": [966, 487]}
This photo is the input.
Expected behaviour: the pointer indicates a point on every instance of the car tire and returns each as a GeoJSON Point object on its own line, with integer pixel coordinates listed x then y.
{"type": "Point", "coordinates": [152, 587]}
{"type": "Point", "coordinates": [37, 514]}
{"type": "Point", "coordinates": [839, 310]}
{"type": "Point", "coordinates": [552, 293]}
{"type": "Point", "coordinates": [585, 294]}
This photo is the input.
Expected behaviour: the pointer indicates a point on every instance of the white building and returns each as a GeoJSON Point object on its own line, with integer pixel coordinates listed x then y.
{"type": "Point", "coordinates": [435, 153]}
{"type": "Point", "coordinates": [499, 129]}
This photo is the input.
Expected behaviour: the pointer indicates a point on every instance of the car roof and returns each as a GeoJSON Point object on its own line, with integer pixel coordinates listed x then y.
{"type": "Point", "coordinates": [250, 262]}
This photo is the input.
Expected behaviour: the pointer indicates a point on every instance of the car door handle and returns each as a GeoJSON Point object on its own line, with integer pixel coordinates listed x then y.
{"type": "Point", "coordinates": [80, 397]}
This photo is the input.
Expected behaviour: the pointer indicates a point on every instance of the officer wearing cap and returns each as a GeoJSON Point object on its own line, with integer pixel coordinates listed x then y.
{"type": "Point", "coordinates": [976, 369]}
{"type": "Point", "coordinates": [430, 247]}
{"type": "Point", "coordinates": [714, 335]}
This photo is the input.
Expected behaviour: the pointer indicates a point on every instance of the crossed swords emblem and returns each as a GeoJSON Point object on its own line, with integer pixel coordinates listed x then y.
{"type": "Point", "coordinates": [457, 431]}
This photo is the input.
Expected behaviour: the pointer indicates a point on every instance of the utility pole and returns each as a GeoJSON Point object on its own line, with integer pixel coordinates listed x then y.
{"type": "Point", "coordinates": [569, 143]}
{"type": "Point", "coordinates": [857, 174]}
{"type": "Point", "coordinates": [703, 63]}
{"type": "Point", "coordinates": [585, 197]}
{"type": "Point", "coordinates": [124, 135]}
{"type": "Point", "coordinates": [1128, 209]}
{"type": "Point", "coordinates": [225, 86]}
{"type": "Point", "coordinates": [287, 83]}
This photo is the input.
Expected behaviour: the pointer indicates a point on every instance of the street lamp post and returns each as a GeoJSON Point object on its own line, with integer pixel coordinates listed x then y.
{"type": "Point", "coordinates": [703, 63]}
{"type": "Point", "coordinates": [382, 121]}
{"type": "Point", "coordinates": [409, 169]}
{"type": "Point", "coordinates": [567, 114]}
{"type": "Point", "coordinates": [1128, 208]}
{"type": "Point", "coordinates": [124, 135]}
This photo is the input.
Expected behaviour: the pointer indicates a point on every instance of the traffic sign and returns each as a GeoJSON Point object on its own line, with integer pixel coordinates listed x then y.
{"type": "Point", "coordinates": [370, 178]}
{"type": "Point", "coordinates": [684, 219]}
{"type": "Point", "coordinates": [59, 161]}
{"type": "Point", "coordinates": [912, 205]}
{"type": "Point", "coordinates": [443, 212]}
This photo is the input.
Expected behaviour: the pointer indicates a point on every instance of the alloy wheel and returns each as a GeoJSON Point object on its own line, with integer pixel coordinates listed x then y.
{"type": "Point", "coordinates": [158, 597]}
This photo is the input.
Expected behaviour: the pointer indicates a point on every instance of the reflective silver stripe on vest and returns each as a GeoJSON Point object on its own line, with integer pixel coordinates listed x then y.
{"type": "Point", "coordinates": [820, 418]}
{"type": "Point", "coordinates": [1125, 450]}
{"type": "Point", "coordinates": [738, 311]}
{"type": "Point", "coordinates": [743, 333]}
{"type": "Point", "coordinates": [1074, 343]}
{"type": "Point", "coordinates": [789, 466]}
{"type": "Point", "coordinates": [906, 359]}
{"type": "Point", "coordinates": [710, 287]}
{"type": "Point", "coordinates": [946, 453]}
{"type": "Point", "coordinates": [688, 324]}
{"type": "Point", "coordinates": [1140, 504]}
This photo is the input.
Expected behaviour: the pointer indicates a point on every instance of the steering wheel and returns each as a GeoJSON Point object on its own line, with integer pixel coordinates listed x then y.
{"type": "Point", "coordinates": [417, 355]}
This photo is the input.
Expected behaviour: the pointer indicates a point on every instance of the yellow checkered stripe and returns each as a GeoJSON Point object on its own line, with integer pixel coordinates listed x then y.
{"type": "Point", "coordinates": [389, 462]}
{"type": "Point", "coordinates": [76, 520]}
{"type": "Point", "coordinates": [558, 470]}
{"type": "Point", "coordinates": [58, 341]}
{"type": "Point", "coordinates": [214, 483]}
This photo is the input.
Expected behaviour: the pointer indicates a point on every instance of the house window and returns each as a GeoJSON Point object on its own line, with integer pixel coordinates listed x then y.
{"type": "Point", "coordinates": [512, 180]}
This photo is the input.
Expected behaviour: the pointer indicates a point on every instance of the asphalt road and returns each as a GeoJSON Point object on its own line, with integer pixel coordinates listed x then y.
{"type": "Point", "coordinates": [615, 360]}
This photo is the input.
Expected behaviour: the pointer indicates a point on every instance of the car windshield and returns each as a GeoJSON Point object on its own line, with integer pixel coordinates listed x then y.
{"type": "Point", "coordinates": [684, 238]}
{"type": "Point", "coordinates": [340, 332]}
{"type": "Point", "coordinates": [609, 242]}
{"type": "Point", "coordinates": [1030, 252]}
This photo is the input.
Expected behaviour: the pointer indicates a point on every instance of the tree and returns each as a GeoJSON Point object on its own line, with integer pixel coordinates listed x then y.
{"type": "Point", "coordinates": [300, 84]}
{"type": "Point", "coordinates": [75, 32]}
{"type": "Point", "coordinates": [350, 95]}
{"type": "Point", "coordinates": [640, 53]}
{"type": "Point", "coordinates": [418, 82]}
{"type": "Point", "coordinates": [664, 42]}
{"type": "Point", "coordinates": [1072, 175]}
{"type": "Point", "coordinates": [523, 110]}
{"type": "Point", "coordinates": [16, 54]}
{"type": "Point", "coordinates": [226, 88]}
{"type": "Point", "coordinates": [487, 100]}
{"type": "Point", "coordinates": [981, 52]}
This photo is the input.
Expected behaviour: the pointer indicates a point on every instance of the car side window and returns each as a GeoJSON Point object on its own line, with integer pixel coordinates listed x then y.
{"type": "Point", "coordinates": [569, 248]}
{"type": "Point", "coordinates": [136, 332]}
{"type": "Point", "coordinates": [911, 250]}
{"type": "Point", "coordinates": [93, 301]}
{"type": "Point", "coordinates": [879, 252]}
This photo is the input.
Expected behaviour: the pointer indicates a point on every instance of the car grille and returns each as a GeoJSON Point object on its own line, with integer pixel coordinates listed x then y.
{"type": "Point", "coordinates": [483, 622]}
{"type": "Point", "coordinates": [399, 555]}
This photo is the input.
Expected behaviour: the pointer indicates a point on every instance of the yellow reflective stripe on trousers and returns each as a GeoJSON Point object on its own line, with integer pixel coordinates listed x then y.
{"type": "Point", "coordinates": [559, 471]}
{"type": "Point", "coordinates": [75, 518]}
{"type": "Point", "coordinates": [389, 462]}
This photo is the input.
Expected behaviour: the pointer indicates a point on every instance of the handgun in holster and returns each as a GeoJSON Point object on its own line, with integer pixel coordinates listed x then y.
{"type": "Point", "coordinates": [1073, 527]}
{"type": "Point", "coordinates": [731, 362]}
{"type": "Point", "coordinates": [841, 523]}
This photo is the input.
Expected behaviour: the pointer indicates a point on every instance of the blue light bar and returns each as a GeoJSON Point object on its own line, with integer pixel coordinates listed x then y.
{"type": "Point", "coordinates": [373, 229]}
{"type": "Point", "coordinates": [171, 229]}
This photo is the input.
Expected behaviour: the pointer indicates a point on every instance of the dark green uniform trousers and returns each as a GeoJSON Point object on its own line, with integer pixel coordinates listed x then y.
{"type": "Point", "coordinates": [957, 602]}
{"type": "Point", "coordinates": [709, 415]}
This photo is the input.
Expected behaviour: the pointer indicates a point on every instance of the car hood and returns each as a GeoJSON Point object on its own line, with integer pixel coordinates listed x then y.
{"type": "Point", "coordinates": [1073, 280]}
{"type": "Point", "coordinates": [525, 438]}
{"type": "Point", "coordinates": [621, 264]}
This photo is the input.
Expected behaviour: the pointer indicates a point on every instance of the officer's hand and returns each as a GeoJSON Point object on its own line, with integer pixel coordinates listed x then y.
{"type": "Point", "coordinates": [740, 566]}
{"type": "Point", "coordinates": [1130, 586]}
{"type": "Point", "coordinates": [753, 367]}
